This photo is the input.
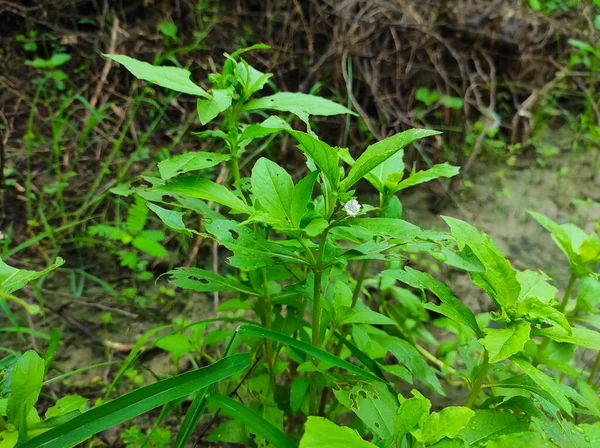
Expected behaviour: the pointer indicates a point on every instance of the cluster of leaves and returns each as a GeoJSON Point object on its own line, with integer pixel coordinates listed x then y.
{"type": "Point", "coordinates": [332, 321]}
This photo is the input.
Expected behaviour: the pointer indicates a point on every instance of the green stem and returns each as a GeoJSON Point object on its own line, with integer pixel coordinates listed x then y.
{"type": "Point", "coordinates": [567, 296]}
{"type": "Point", "coordinates": [316, 317]}
{"type": "Point", "coordinates": [483, 370]}
{"type": "Point", "coordinates": [594, 369]}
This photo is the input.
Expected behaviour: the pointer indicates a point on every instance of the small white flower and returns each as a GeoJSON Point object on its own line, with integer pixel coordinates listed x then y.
{"type": "Point", "coordinates": [352, 207]}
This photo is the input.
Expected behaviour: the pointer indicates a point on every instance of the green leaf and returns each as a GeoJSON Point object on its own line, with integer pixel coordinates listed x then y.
{"type": "Point", "coordinates": [346, 315]}
{"type": "Point", "coordinates": [292, 101]}
{"type": "Point", "coordinates": [301, 197]}
{"type": "Point", "coordinates": [137, 216]}
{"type": "Point", "coordinates": [173, 78]}
{"type": "Point", "coordinates": [298, 392]}
{"type": "Point", "coordinates": [537, 312]}
{"type": "Point", "coordinates": [320, 432]}
{"type": "Point", "coordinates": [450, 307]}
{"type": "Point", "coordinates": [67, 404]}
{"type": "Point", "coordinates": [191, 161]}
{"type": "Point", "coordinates": [202, 280]}
{"type": "Point", "coordinates": [373, 404]}
{"type": "Point", "coordinates": [272, 187]}
{"type": "Point", "coordinates": [110, 232]}
{"type": "Point", "coordinates": [528, 439]}
{"type": "Point", "coordinates": [408, 355]}
{"type": "Point", "coordinates": [251, 250]}
{"type": "Point", "coordinates": [252, 420]}
{"type": "Point", "coordinates": [306, 348]}
{"type": "Point", "coordinates": [176, 344]}
{"type": "Point", "coordinates": [387, 173]}
{"type": "Point", "coordinates": [535, 284]}
{"type": "Point", "coordinates": [435, 172]}
{"type": "Point", "coordinates": [578, 336]}
{"type": "Point", "coordinates": [137, 402]}
{"type": "Point", "coordinates": [535, 5]}
{"type": "Point", "coordinates": [503, 343]}
{"type": "Point", "coordinates": [325, 157]}
{"type": "Point", "coordinates": [251, 79]}
{"type": "Point", "coordinates": [546, 383]}
{"type": "Point", "coordinates": [410, 413]}
{"type": "Point", "coordinates": [588, 294]}
{"type": "Point", "coordinates": [487, 425]}
{"type": "Point", "coordinates": [379, 152]}
{"type": "Point", "coordinates": [25, 386]}
{"type": "Point", "coordinates": [200, 188]}
{"type": "Point", "coordinates": [150, 246]}
{"type": "Point", "coordinates": [209, 109]}
{"type": "Point", "coordinates": [499, 280]}
{"type": "Point", "coordinates": [172, 219]}
{"type": "Point", "coordinates": [446, 423]}
{"type": "Point", "coordinates": [12, 279]}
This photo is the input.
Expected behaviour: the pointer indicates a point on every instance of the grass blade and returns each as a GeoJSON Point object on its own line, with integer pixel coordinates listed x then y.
{"type": "Point", "coordinates": [136, 403]}
{"type": "Point", "coordinates": [306, 348]}
{"type": "Point", "coordinates": [252, 420]}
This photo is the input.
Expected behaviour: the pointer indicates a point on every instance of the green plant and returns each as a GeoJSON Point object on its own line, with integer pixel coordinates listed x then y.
{"type": "Point", "coordinates": [332, 319]}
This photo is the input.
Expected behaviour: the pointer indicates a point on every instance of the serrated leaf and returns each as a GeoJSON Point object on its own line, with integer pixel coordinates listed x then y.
{"type": "Point", "coordinates": [535, 284]}
{"type": "Point", "coordinates": [191, 161]}
{"type": "Point", "coordinates": [202, 280]}
{"type": "Point", "coordinates": [545, 383]}
{"type": "Point", "coordinates": [435, 172]}
{"type": "Point", "coordinates": [172, 219]}
{"type": "Point", "coordinates": [373, 404]}
{"type": "Point", "coordinates": [12, 279]}
{"type": "Point", "coordinates": [201, 188]}
{"type": "Point", "coordinates": [450, 307]}
{"type": "Point", "coordinates": [320, 432]}
{"type": "Point", "coordinates": [578, 336]}
{"type": "Point", "coordinates": [137, 216]}
{"type": "Point", "coordinates": [210, 108]}
{"type": "Point", "coordinates": [272, 187]}
{"type": "Point", "coordinates": [503, 343]}
{"type": "Point", "coordinates": [446, 423]}
{"type": "Point", "coordinates": [251, 250]}
{"type": "Point", "coordinates": [324, 156]}
{"type": "Point", "coordinates": [379, 152]}
{"type": "Point", "coordinates": [538, 312]}
{"type": "Point", "coordinates": [499, 280]}
{"type": "Point", "coordinates": [301, 197]}
{"type": "Point", "coordinates": [411, 411]}
{"type": "Point", "coordinates": [173, 78]}
{"type": "Point", "coordinates": [291, 101]}
{"type": "Point", "coordinates": [487, 425]}
{"type": "Point", "coordinates": [588, 294]}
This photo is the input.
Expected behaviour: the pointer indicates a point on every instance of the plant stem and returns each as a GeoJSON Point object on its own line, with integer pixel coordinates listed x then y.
{"type": "Point", "coordinates": [316, 317]}
{"type": "Point", "coordinates": [594, 369]}
{"type": "Point", "coordinates": [567, 295]}
{"type": "Point", "coordinates": [483, 369]}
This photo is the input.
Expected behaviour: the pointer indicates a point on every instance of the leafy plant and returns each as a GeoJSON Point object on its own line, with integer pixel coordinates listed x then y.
{"type": "Point", "coordinates": [335, 318]}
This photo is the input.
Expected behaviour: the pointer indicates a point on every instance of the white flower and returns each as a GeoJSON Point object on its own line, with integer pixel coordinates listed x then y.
{"type": "Point", "coordinates": [352, 207]}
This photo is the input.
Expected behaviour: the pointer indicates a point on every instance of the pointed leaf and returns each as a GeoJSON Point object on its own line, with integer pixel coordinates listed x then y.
{"type": "Point", "coordinates": [191, 161]}
{"type": "Point", "coordinates": [173, 78]}
{"type": "Point", "coordinates": [272, 187]}
{"type": "Point", "coordinates": [578, 336]}
{"type": "Point", "coordinates": [306, 348]}
{"type": "Point", "coordinates": [200, 188]}
{"type": "Point", "coordinates": [209, 109]}
{"type": "Point", "coordinates": [252, 420]}
{"type": "Point", "coordinates": [25, 386]}
{"type": "Point", "coordinates": [381, 151]}
{"type": "Point", "coordinates": [435, 172]}
{"type": "Point", "coordinates": [503, 343]}
{"type": "Point", "coordinates": [291, 101]}
{"type": "Point", "coordinates": [325, 157]}
{"type": "Point", "coordinates": [206, 281]}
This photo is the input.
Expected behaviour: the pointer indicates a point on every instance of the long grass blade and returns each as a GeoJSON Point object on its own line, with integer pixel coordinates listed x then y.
{"type": "Point", "coordinates": [306, 348]}
{"type": "Point", "coordinates": [252, 420]}
{"type": "Point", "coordinates": [136, 403]}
